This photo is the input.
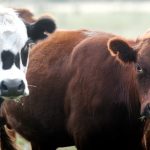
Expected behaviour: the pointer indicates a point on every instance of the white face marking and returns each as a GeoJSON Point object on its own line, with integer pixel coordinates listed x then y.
{"type": "Point", "coordinates": [13, 36]}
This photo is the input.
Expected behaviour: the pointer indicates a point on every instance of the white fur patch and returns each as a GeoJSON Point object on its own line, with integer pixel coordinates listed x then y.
{"type": "Point", "coordinates": [13, 33]}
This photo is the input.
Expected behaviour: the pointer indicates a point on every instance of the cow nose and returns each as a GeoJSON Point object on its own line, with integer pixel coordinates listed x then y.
{"type": "Point", "coordinates": [146, 111]}
{"type": "Point", "coordinates": [11, 88]}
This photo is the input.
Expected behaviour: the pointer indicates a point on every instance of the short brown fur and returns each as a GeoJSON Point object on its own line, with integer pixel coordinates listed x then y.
{"type": "Point", "coordinates": [80, 95]}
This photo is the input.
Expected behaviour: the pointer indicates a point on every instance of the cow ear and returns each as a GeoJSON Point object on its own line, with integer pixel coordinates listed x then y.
{"type": "Point", "coordinates": [120, 49]}
{"type": "Point", "coordinates": [36, 31]}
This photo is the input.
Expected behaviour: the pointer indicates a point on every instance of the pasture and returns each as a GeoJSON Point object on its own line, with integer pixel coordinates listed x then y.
{"type": "Point", "coordinates": [128, 19]}
{"type": "Point", "coordinates": [124, 18]}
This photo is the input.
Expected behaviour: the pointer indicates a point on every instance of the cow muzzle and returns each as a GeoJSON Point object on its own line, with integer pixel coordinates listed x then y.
{"type": "Point", "coordinates": [12, 88]}
{"type": "Point", "coordinates": [146, 111]}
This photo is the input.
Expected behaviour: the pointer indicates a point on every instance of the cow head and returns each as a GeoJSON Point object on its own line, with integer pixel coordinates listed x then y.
{"type": "Point", "coordinates": [143, 69]}
{"type": "Point", "coordinates": [15, 39]}
{"type": "Point", "coordinates": [139, 57]}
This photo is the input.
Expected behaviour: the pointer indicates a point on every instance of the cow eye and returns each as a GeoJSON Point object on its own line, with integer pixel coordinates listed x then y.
{"type": "Point", "coordinates": [31, 45]}
{"type": "Point", "coordinates": [24, 52]}
{"type": "Point", "coordinates": [139, 68]}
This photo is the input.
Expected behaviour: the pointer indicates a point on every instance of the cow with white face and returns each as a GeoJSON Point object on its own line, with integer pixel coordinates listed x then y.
{"type": "Point", "coordinates": [15, 39]}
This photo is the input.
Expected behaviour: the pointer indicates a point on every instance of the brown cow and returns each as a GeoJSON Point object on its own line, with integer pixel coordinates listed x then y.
{"type": "Point", "coordinates": [85, 89]}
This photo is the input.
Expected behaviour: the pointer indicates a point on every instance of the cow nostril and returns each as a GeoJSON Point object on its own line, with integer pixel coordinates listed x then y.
{"type": "Point", "coordinates": [21, 86]}
{"type": "Point", "coordinates": [148, 106]}
{"type": "Point", "coordinates": [11, 88]}
{"type": "Point", "coordinates": [146, 111]}
{"type": "Point", "coordinates": [4, 86]}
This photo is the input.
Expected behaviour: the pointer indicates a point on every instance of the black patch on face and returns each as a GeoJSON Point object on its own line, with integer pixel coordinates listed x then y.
{"type": "Point", "coordinates": [8, 59]}
{"type": "Point", "coordinates": [17, 60]}
{"type": "Point", "coordinates": [24, 53]}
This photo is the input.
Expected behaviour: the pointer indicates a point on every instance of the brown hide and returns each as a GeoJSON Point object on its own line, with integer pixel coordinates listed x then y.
{"type": "Point", "coordinates": [25, 14]}
{"type": "Point", "coordinates": [79, 94]}
{"type": "Point", "coordinates": [58, 40]}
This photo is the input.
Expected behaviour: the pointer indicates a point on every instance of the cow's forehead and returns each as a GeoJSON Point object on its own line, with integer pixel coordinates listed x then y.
{"type": "Point", "coordinates": [13, 33]}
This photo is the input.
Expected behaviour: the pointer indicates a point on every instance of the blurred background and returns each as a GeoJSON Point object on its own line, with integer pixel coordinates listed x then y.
{"type": "Point", "coordinates": [129, 18]}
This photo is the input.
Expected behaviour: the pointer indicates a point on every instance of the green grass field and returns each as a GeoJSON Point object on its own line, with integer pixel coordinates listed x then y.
{"type": "Point", "coordinates": [128, 19]}
{"type": "Point", "coordinates": [128, 24]}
